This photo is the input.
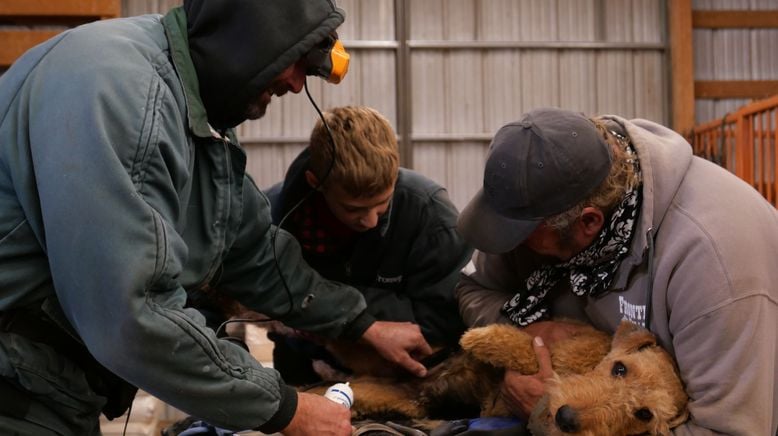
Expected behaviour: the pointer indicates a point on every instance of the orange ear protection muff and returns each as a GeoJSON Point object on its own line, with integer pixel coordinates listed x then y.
{"type": "Point", "coordinates": [328, 60]}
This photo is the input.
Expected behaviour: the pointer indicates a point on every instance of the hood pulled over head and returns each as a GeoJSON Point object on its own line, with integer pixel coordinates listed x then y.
{"type": "Point", "coordinates": [239, 46]}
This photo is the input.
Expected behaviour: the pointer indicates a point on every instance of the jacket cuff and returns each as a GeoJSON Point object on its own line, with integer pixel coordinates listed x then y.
{"type": "Point", "coordinates": [286, 410]}
{"type": "Point", "coordinates": [356, 328]}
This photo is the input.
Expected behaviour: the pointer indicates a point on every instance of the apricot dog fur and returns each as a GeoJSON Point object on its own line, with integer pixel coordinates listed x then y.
{"type": "Point", "coordinates": [624, 385]}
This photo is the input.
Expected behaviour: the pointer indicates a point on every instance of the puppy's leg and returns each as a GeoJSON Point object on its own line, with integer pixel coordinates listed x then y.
{"type": "Point", "coordinates": [377, 398]}
{"type": "Point", "coordinates": [505, 346]}
{"type": "Point", "coordinates": [380, 398]}
{"type": "Point", "coordinates": [580, 353]}
{"type": "Point", "coordinates": [458, 387]}
{"type": "Point", "coordinates": [502, 346]}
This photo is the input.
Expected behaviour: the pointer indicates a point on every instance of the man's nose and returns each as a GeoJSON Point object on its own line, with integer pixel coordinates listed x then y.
{"type": "Point", "coordinates": [296, 84]}
{"type": "Point", "coordinates": [370, 220]}
{"type": "Point", "coordinates": [297, 79]}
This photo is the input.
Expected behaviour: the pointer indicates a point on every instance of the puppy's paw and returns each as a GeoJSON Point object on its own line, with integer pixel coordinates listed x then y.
{"type": "Point", "coordinates": [502, 346]}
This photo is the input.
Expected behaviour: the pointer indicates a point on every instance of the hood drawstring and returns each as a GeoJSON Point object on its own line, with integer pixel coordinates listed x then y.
{"type": "Point", "coordinates": [650, 285]}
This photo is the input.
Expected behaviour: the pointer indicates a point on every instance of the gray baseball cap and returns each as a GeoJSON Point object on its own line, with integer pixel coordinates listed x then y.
{"type": "Point", "coordinates": [537, 167]}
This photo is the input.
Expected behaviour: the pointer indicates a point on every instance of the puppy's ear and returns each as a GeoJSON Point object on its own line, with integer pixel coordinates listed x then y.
{"type": "Point", "coordinates": [679, 419]}
{"type": "Point", "coordinates": [664, 428]}
{"type": "Point", "coordinates": [632, 338]}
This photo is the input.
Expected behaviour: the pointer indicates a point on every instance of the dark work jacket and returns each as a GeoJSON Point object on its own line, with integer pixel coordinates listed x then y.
{"type": "Point", "coordinates": [407, 266]}
{"type": "Point", "coordinates": [116, 198]}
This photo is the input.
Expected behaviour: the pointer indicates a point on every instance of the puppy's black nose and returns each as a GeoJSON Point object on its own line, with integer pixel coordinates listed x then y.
{"type": "Point", "coordinates": [567, 419]}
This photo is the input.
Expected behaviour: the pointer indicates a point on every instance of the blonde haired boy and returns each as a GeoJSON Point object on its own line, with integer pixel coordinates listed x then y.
{"type": "Point", "coordinates": [388, 231]}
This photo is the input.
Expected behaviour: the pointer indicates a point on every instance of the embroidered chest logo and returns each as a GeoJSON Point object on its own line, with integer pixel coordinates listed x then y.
{"type": "Point", "coordinates": [388, 280]}
{"type": "Point", "coordinates": [632, 312]}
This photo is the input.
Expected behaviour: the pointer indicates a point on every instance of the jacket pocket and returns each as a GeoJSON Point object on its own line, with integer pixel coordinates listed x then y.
{"type": "Point", "coordinates": [53, 381]}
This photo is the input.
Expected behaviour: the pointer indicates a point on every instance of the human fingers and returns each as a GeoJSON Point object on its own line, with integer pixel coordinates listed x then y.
{"type": "Point", "coordinates": [545, 370]}
{"type": "Point", "coordinates": [414, 349]}
{"type": "Point", "coordinates": [422, 348]}
{"type": "Point", "coordinates": [399, 342]}
{"type": "Point", "coordinates": [411, 365]}
{"type": "Point", "coordinates": [412, 340]}
{"type": "Point", "coordinates": [507, 390]}
{"type": "Point", "coordinates": [520, 392]}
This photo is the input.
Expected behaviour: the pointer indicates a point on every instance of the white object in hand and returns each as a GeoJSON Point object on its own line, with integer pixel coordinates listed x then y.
{"type": "Point", "coordinates": [341, 393]}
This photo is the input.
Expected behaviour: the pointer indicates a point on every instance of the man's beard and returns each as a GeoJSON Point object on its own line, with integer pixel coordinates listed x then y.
{"type": "Point", "coordinates": [258, 106]}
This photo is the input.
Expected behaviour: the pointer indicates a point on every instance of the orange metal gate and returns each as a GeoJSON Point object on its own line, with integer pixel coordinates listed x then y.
{"type": "Point", "coordinates": [744, 142]}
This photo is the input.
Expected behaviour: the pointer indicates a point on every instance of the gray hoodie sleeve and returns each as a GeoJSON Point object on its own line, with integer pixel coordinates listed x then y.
{"type": "Point", "coordinates": [489, 281]}
{"type": "Point", "coordinates": [483, 289]}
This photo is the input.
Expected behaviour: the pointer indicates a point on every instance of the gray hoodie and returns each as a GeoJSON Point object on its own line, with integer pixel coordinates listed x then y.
{"type": "Point", "coordinates": [704, 255]}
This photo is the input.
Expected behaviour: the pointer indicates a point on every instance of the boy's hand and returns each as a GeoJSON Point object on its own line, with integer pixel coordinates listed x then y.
{"type": "Point", "coordinates": [401, 343]}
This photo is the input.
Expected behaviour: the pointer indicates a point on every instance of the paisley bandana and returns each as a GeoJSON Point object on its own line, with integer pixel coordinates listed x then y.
{"type": "Point", "coordinates": [591, 271]}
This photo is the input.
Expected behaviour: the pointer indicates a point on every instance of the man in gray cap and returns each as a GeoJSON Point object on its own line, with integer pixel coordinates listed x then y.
{"type": "Point", "coordinates": [603, 219]}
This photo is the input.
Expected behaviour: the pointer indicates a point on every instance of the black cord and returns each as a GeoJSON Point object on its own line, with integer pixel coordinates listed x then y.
{"type": "Point", "coordinates": [274, 236]}
{"type": "Point", "coordinates": [304, 199]}
{"type": "Point", "coordinates": [127, 420]}
{"type": "Point", "coordinates": [223, 325]}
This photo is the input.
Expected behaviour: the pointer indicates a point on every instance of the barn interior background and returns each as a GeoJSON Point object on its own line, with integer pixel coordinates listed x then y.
{"type": "Point", "coordinates": [449, 73]}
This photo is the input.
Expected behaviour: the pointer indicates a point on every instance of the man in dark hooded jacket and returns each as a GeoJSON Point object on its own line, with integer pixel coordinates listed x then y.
{"type": "Point", "coordinates": [122, 188]}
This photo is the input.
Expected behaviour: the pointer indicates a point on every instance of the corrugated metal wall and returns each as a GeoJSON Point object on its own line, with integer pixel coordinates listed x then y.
{"type": "Point", "coordinates": [448, 73]}
{"type": "Point", "coordinates": [732, 54]}
{"type": "Point", "coordinates": [477, 64]}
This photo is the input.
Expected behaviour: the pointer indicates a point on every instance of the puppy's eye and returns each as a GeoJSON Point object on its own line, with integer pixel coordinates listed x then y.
{"type": "Point", "coordinates": [644, 414]}
{"type": "Point", "coordinates": [646, 346]}
{"type": "Point", "coordinates": [618, 370]}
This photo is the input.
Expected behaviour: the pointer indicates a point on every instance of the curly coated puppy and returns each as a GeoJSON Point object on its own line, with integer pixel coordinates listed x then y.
{"type": "Point", "coordinates": [624, 385]}
{"type": "Point", "coordinates": [634, 390]}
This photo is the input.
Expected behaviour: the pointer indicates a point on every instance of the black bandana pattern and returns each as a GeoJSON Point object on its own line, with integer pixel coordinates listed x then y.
{"type": "Point", "coordinates": [591, 271]}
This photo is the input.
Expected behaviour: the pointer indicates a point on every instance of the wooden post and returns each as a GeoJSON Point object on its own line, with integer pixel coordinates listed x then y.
{"type": "Point", "coordinates": [682, 64]}
{"type": "Point", "coordinates": [25, 21]}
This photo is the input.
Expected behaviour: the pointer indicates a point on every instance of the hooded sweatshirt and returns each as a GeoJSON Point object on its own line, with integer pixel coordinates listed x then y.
{"type": "Point", "coordinates": [700, 273]}
{"type": "Point", "coordinates": [117, 198]}
{"type": "Point", "coordinates": [239, 46]}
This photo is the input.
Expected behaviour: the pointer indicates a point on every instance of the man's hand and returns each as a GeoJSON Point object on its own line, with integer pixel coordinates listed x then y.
{"type": "Point", "coordinates": [317, 415]}
{"type": "Point", "coordinates": [399, 342]}
{"type": "Point", "coordinates": [521, 392]}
